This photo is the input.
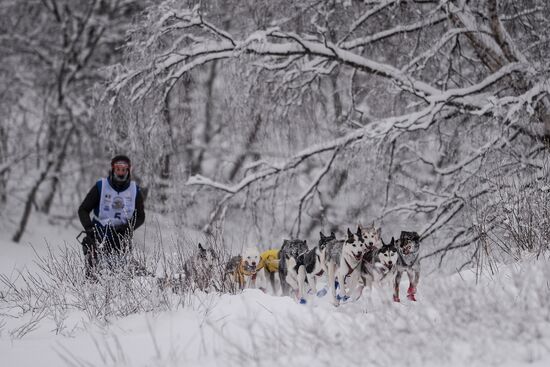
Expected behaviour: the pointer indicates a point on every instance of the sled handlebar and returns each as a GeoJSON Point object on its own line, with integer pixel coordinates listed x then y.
{"type": "Point", "coordinates": [80, 235]}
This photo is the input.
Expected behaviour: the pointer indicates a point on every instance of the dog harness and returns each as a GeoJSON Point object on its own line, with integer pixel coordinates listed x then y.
{"type": "Point", "coordinates": [408, 259]}
{"type": "Point", "coordinates": [241, 272]}
{"type": "Point", "coordinates": [351, 269]}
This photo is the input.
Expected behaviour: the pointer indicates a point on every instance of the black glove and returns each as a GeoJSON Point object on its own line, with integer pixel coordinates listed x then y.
{"type": "Point", "coordinates": [123, 230]}
{"type": "Point", "coordinates": [89, 242]}
{"type": "Point", "coordinates": [90, 232]}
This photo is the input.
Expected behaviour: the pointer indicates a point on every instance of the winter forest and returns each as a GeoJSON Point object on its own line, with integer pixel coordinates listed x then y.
{"type": "Point", "coordinates": [251, 122]}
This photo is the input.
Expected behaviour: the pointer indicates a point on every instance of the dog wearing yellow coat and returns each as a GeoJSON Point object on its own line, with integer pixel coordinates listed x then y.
{"type": "Point", "coordinates": [268, 269]}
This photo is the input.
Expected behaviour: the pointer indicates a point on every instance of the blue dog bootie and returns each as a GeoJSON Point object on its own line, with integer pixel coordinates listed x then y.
{"type": "Point", "coordinates": [322, 292]}
{"type": "Point", "coordinates": [342, 299]}
{"type": "Point", "coordinates": [303, 301]}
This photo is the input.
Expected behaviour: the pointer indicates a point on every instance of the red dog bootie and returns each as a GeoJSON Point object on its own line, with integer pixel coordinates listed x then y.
{"type": "Point", "coordinates": [411, 293]}
{"type": "Point", "coordinates": [396, 299]}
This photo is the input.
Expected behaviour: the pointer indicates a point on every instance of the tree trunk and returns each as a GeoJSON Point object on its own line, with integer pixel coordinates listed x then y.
{"type": "Point", "coordinates": [250, 139]}
{"type": "Point", "coordinates": [207, 128]}
{"type": "Point", "coordinates": [3, 174]}
{"type": "Point", "coordinates": [164, 173]}
{"type": "Point", "coordinates": [31, 198]}
{"type": "Point", "coordinates": [46, 206]}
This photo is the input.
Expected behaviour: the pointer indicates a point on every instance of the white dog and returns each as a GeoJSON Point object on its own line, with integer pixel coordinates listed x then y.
{"type": "Point", "coordinates": [242, 269]}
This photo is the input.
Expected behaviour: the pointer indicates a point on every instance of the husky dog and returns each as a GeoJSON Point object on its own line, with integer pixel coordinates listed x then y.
{"type": "Point", "coordinates": [268, 268]}
{"type": "Point", "coordinates": [408, 249]}
{"type": "Point", "coordinates": [198, 269]}
{"type": "Point", "coordinates": [241, 269]}
{"type": "Point", "coordinates": [197, 272]}
{"type": "Point", "coordinates": [343, 259]}
{"type": "Point", "coordinates": [385, 260]}
{"type": "Point", "coordinates": [379, 265]}
{"type": "Point", "coordinates": [289, 250]}
{"type": "Point", "coordinates": [372, 236]}
{"type": "Point", "coordinates": [310, 265]}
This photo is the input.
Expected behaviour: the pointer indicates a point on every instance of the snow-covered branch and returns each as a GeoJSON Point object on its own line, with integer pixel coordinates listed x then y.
{"type": "Point", "coordinates": [364, 17]}
{"type": "Point", "coordinates": [359, 42]}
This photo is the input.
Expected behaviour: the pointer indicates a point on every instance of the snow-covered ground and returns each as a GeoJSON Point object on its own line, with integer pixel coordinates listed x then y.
{"type": "Point", "coordinates": [502, 320]}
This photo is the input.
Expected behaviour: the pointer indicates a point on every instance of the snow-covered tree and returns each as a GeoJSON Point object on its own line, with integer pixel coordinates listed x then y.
{"type": "Point", "coordinates": [404, 112]}
{"type": "Point", "coordinates": [53, 53]}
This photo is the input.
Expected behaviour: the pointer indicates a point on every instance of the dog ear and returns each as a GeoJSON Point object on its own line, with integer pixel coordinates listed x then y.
{"type": "Point", "coordinates": [322, 235]}
{"type": "Point", "coordinates": [359, 234]}
{"type": "Point", "coordinates": [332, 235]}
{"type": "Point", "coordinates": [379, 231]}
{"type": "Point", "coordinates": [392, 242]}
{"type": "Point", "coordinates": [350, 235]}
{"type": "Point", "coordinates": [201, 248]}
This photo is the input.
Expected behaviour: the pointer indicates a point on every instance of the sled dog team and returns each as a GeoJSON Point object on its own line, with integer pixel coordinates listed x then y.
{"type": "Point", "coordinates": [350, 264]}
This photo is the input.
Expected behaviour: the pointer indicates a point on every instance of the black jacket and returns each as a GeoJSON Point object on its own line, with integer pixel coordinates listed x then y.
{"type": "Point", "coordinates": [91, 202]}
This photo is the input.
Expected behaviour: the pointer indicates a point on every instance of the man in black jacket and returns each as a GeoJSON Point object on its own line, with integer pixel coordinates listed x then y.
{"type": "Point", "coordinates": [117, 205]}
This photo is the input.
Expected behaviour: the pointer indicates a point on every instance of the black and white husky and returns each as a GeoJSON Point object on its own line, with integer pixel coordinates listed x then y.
{"type": "Point", "coordinates": [309, 266]}
{"type": "Point", "coordinates": [343, 262]}
{"type": "Point", "coordinates": [290, 250]}
{"type": "Point", "coordinates": [408, 249]}
{"type": "Point", "coordinates": [379, 265]}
